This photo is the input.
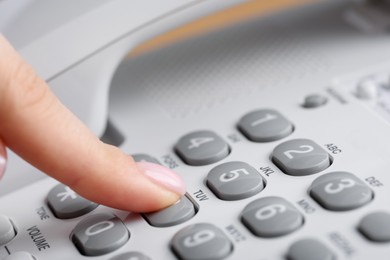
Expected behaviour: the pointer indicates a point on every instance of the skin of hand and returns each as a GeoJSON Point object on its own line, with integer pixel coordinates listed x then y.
{"type": "Point", "coordinates": [41, 130]}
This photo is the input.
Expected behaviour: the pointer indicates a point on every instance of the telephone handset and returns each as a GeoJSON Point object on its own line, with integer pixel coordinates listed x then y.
{"type": "Point", "coordinates": [76, 45]}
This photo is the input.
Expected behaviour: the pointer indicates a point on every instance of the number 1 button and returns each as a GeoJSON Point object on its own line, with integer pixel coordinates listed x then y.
{"type": "Point", "coordinates": [265, 125]}
{"type": "Point", "coordinates": [300, 157]}
{"type": "Point", "coordinates": [201, 148]}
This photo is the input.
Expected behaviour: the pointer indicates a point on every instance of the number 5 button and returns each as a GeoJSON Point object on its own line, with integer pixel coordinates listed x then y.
{"type": "Point", "coordinates": [340, 191]}
{"type": "Point", "coordinates": [234, 181]}
{"type": "Point", "coordinates": [300, 157]}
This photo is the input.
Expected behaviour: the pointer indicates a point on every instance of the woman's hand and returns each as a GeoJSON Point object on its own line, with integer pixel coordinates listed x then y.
{"type": "Point", "coordinates": [36, 126]}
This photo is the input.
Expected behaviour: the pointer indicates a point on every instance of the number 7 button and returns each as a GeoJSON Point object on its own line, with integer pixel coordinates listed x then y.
{"type": "Point", "coordinates": [300, 157]}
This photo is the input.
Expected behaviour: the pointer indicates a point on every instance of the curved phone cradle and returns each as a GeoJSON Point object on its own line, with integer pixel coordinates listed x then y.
{"type": "Point", "coordinates": [76, 46]}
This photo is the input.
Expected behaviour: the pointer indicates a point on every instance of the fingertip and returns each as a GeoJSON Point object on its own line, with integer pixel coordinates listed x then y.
{"type": "Point", "coordinates": [163, 177]}
{"type": "Point", "coordinates": [121, 183]}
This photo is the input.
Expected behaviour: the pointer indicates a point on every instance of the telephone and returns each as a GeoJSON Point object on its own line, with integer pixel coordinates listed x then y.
{"type": "Point", "coordinates": [279, 126]}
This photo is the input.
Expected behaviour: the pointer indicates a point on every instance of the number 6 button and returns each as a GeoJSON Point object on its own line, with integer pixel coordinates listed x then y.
{"type": "Point", "coordinates": [340, 191]}
{"type": "Point", "coordinates": [300, 157]}
{"type": "Point", "coordinates": [271, 217]}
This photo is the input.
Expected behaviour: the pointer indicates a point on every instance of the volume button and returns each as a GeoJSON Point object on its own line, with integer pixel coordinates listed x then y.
{"type": "Point", "coordinates": [7, 230]}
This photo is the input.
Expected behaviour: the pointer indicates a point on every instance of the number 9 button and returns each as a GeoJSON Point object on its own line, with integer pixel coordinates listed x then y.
{"type": "Point", "coordinates": [340, 191]}
{"type": "Point", "coordinates": [300, 157]}
{"type": "Point", "coordinates": [201, 241]}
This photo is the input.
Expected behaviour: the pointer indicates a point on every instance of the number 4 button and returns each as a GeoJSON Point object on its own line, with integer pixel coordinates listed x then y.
{"type": "Point", "coordinates": [201, 148]}
{"type": "Point", "coordinates": [300, 157]}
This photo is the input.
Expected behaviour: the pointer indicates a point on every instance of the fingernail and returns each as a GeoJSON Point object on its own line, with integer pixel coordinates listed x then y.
{"type": "Point", "coordinates": [163, 177]}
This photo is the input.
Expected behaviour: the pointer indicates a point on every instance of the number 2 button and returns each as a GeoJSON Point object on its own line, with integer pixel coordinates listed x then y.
{"type": "Point", "coordinates": [300, 157]}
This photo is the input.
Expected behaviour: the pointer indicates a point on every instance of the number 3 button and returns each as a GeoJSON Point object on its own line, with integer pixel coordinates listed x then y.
{"type": "Point", "coordinates": [340, 191]}
{"type": "Point", "coordinates": [300, 157]}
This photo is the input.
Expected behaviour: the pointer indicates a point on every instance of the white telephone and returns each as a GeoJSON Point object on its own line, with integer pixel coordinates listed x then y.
{"type": "Point", "coordinates": [278, 125]}
{"type": "Point", "coordinates": [76, 47]}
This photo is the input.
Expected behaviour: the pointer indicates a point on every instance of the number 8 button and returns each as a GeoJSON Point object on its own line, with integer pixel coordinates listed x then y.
{"type": "Point", "coordinates": [300, 157]}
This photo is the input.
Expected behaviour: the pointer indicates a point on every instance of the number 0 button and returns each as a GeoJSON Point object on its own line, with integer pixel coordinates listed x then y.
{"type": "Point", "coordinates": [340, 191]}
{"type": "Point", "coordinates": [300, 157]}
{"type": "Point", "coordinates": [99, 234]}
{"type": "Point", "coordinates": [201, 148]}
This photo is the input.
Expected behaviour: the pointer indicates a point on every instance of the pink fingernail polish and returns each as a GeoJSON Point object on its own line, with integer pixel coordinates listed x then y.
{"type": "Point", "coordinates": [163, 177]}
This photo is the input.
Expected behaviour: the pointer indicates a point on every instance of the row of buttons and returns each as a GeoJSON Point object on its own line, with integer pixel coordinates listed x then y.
{"type": "Point", "coordinates": [103, 233]}
{"type": "Point", "coordinates": [207, 241]}
{"type": "Point", "coordinates": [206, 147]}
{"type": "Point", "coordinates": [265, 217]}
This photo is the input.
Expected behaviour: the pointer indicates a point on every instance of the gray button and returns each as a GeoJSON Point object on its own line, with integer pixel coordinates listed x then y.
{"type": "Point", "coordinates": [300, 157]}
{"type": "Point", "coordinates": [315, 100]}
{"type": "Point", "coordinates": [340, 191]}
{"type": "Point", "coordinates": [376, 226]}
{"type": "Point", "coordinates": [7, 230]}
{"type": "Point", "coordinates": [131, 256]}
{"type": "Point", "coordinates": [234, 181]}
{"type": "Point", "coordinates": [65, 203]}
{"type": "Point", "coordinates": [200, 242]}
{"type": "Point", "coordinates": [99, 234]}
{"type": "Point", "coordinates": [271, 217]}
{"type": "Point", "coordinates": [20, 256]}
{"type": "Point", "coordinates": [145, 158]}
{"type": "Point", "coordinates": [309, 249]}
{"type": "Point", "coordinates": [265, 125]}
{"type": "Point", "coordinates": [175, 214]}
{"type": "Point", "coordinates": [201, 148]}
